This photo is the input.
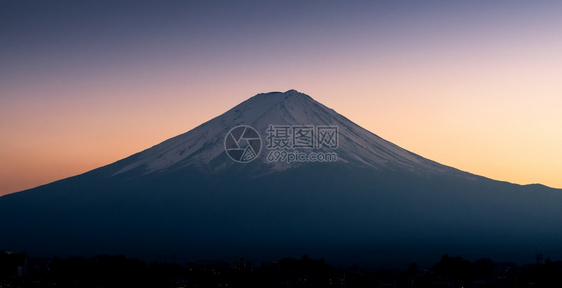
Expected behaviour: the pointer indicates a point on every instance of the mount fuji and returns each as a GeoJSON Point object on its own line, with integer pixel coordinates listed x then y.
{"type": "Point", "coordinates": [239, 186]}
{"type": "Point", "coordinates": [203, 146]}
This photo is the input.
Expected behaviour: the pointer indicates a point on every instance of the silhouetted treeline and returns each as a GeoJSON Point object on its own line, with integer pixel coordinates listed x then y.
{"type": "Point", "coordinates": [16, 270]}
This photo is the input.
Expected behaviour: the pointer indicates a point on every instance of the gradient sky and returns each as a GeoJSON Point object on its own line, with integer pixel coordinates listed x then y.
{"type": "Point", "coordinates": [476, 85]}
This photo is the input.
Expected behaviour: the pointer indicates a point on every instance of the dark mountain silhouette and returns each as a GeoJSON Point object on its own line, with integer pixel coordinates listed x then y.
{"type": "Point", "coordinates": [378, 203]}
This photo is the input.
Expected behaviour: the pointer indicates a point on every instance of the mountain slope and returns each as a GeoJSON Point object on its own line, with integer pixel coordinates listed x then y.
{"type": "Point", "coordinates": [376, 204]}
{"type": "Point", "coordinates": [202, 145]}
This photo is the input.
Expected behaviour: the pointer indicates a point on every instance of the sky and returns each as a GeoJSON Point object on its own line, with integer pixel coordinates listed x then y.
{"type": "Point", "coordinates": [476, 85]}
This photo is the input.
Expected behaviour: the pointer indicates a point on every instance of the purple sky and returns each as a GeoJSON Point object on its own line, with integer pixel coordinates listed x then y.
{"type": "Point", "coordinates": [470, 84]}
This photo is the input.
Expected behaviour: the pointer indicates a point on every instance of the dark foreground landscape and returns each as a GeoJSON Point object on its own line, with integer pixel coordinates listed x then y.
{"type": "Point", "coordinates": [18, 270]}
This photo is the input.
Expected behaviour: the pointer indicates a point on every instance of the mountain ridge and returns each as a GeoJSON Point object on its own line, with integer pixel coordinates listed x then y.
{"type": "Point", "coordinates": [378, 203]}
{"type": "Point", "coordinates": [286, 111]}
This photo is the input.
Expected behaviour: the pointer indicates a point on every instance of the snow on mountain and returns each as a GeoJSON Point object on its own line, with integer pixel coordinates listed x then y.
{"type": "Point", "coordinates": [377, 203]}
{"type": "Point", "coordinates": [205, 144]}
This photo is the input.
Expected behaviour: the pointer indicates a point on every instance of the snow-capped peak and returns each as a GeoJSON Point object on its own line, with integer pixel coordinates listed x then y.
{"type": "Point", "coordinates": [204, 146]}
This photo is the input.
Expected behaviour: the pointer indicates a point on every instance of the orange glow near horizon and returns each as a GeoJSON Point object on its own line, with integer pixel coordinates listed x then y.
{"type": "Point", "coordinates": [474, 86]}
